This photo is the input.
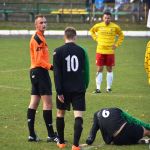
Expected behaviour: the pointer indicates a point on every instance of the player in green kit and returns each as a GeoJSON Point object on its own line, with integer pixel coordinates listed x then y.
{"type": "Point", "coordinates": [118, 127]}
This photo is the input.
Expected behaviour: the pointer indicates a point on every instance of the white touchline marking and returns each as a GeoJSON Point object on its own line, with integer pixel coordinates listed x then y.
{"type": "Point", "coordinates": [117, 95]}
{"type": "Point", "coordinates": [88, 147]}
{"type": "Point", "coordinates": [13, 70]}
{"type": "Point", "coordinates": [88, 93]}
{"type": "Point", "coordinates": [13, 88]}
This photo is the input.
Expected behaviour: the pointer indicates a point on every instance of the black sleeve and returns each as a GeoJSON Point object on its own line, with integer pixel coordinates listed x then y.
{"type": "Point", "coordinates": [57, 72]}
{"type": "Point", "coordinates": [93, 131]}
{"type": "Point", "coordinates": [37, 39]}
{"type": "Point", "coordinates": [86, 69]}
{"type": "Point", "coordinates": [107, 139]}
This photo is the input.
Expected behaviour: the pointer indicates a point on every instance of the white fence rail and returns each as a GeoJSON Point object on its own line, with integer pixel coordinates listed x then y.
{"type": "Point", "coordinates": [61, 33]}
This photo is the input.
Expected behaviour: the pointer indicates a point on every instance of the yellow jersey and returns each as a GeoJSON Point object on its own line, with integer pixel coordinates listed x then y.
{"type": "Point", "coordinates": [147, 61]}
{"type": "Point", "coordinates": [106, 37]}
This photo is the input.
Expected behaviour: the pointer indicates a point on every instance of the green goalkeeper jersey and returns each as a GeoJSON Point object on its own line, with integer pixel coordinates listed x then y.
{"type": "Point", "coordinates": [86, 70]}
{"type": "Point", "coordinates": [130, 119]}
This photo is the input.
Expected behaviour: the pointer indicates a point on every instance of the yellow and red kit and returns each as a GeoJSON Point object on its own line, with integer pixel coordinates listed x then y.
{"type": "Point", "coordinates": [147, 61]}
{"type": "Point", "coordinates": [105, 35]}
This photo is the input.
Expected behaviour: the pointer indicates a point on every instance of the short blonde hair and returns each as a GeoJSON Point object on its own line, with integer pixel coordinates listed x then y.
{"type": "Point", "coordinates": [39, 16]}
{"type": "Point", "coordinates": [70, 32]}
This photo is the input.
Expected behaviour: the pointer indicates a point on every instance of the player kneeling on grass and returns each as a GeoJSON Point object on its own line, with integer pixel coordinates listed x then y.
{"type": "Point", "coordinates": [118, 127]}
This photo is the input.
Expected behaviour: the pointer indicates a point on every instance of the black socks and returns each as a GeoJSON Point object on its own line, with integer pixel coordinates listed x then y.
{"type": "Point", "coordinates": [77, 130]}
{"type": "Point", "coordinates": [31, 119]}
{"type": "Point", "coordinates": [47, 115]}
{"type": "Point", "coordinates": [60, 125]}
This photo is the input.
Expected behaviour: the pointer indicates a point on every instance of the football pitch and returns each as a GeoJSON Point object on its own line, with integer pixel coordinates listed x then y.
{"type": "Point", "coordinates": [131, 93]}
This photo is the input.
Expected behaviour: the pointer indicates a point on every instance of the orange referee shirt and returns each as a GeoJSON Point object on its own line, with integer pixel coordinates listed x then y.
{"type": "Point", "coordinates": [39, 51]}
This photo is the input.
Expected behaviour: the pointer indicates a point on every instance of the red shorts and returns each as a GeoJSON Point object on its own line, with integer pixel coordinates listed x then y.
{"type": "Point", "coordinates": [105, 59]}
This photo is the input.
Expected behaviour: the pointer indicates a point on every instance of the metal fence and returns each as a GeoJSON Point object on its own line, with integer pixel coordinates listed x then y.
{"type": "Point", "coordinates": [72, 11]}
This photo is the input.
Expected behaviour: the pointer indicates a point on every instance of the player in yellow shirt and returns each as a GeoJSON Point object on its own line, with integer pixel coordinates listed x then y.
{"type": "Point", "coordinates": [109, 36]}
{"type": "Point", "coordinates": [147, 61]}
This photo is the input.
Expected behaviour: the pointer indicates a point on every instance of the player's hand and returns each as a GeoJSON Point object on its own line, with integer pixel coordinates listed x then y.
{"type": "Point", "coordinates": [131, 1]}
{"type": "Point", "coordinates": [51, 68]}
{"type": "Point", "coordinates": [114, 47]}
{"type": "Point", "coordinates": [89, 141]}
{"type": "Point", "coordinates": [61, 98]}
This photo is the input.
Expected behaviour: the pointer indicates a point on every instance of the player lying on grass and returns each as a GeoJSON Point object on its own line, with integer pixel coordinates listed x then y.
{"type": "Point", "coordinates": [118, 127]}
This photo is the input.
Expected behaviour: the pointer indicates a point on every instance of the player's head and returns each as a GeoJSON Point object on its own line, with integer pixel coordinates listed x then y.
{"type": "Point", "coordinates": [70, 34]}
{"type": "Point", "coordinates": [107, 17]}
{"type": "Point", "coordinates": [40, 23]}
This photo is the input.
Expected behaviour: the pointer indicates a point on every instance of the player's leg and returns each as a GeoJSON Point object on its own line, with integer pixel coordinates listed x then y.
{"type": "Point", "coordinates": [47, 115]}
{"type": "Point", "coordinates": [35, 99]}
{"type": "Point", "coordinates": [109, 78]}
{"type": "Point", "coordinates": [34, 102]}
{"type": "Point", "coordinates": [45, 90]}
{"type": "Point", "coordinates": [130, 134]}
{"type": "Point", "coordinates": [78, 104]}
{"type": "Point", "coordinates": [110, 62]}
{"type": "Point", "coordinates": [144, 140]}
{"type": "Point", "coordinates": [77, 129]}
{"type": "Point", "coordinates": [60, 125]}
{"type": "Point", "coordinates": [99, 73]}
{"type": "Point", "coordinates": [99, 77]}
{"type": "Point", "coordinates": [146, 133]}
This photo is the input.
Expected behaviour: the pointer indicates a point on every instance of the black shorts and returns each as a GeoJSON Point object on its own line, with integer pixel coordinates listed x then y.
{"type": "Point", "coordinates": [130, 134]}
{"type": "Point", "coordinates": [41, 82]}
{"type": "Point", "coordinates": [76, 99]}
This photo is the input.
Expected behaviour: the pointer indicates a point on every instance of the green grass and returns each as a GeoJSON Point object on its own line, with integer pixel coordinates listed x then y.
{"type": "Point", "coordinates": [125, 25]}
{"type": "Point", "coordinates": [130, 92]}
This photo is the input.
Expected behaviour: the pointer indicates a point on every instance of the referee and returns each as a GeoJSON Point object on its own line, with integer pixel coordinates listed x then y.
{"type": "Point", "coordinates": [71, 76]}
{"type": "Point", "coordinates": [40, 80]}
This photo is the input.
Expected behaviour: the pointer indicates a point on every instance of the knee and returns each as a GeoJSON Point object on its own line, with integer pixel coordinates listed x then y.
{"type": "Point", "coordinates": [109, 69]}
{"type": "Point", "coordinates": [33, 105]}
{"type": "Point", "coordinates": [100, 70]}
{"type": "Point", "coordinates": [146, 132]}
{"type": "Point", "coordinates": [47, 106]}
{"type": "Point", "coordinates": [60, 113]}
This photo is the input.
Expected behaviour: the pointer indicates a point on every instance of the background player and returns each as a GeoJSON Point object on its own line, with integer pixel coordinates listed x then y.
{"type": "Point", "coordinates": [71, 75]}
{"type": "Point", "coordinates": [105, 34]}
{"type": "Point", "coordinates": [117, 127]}
{"type": "Point", "coordinates": [147, 61]}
